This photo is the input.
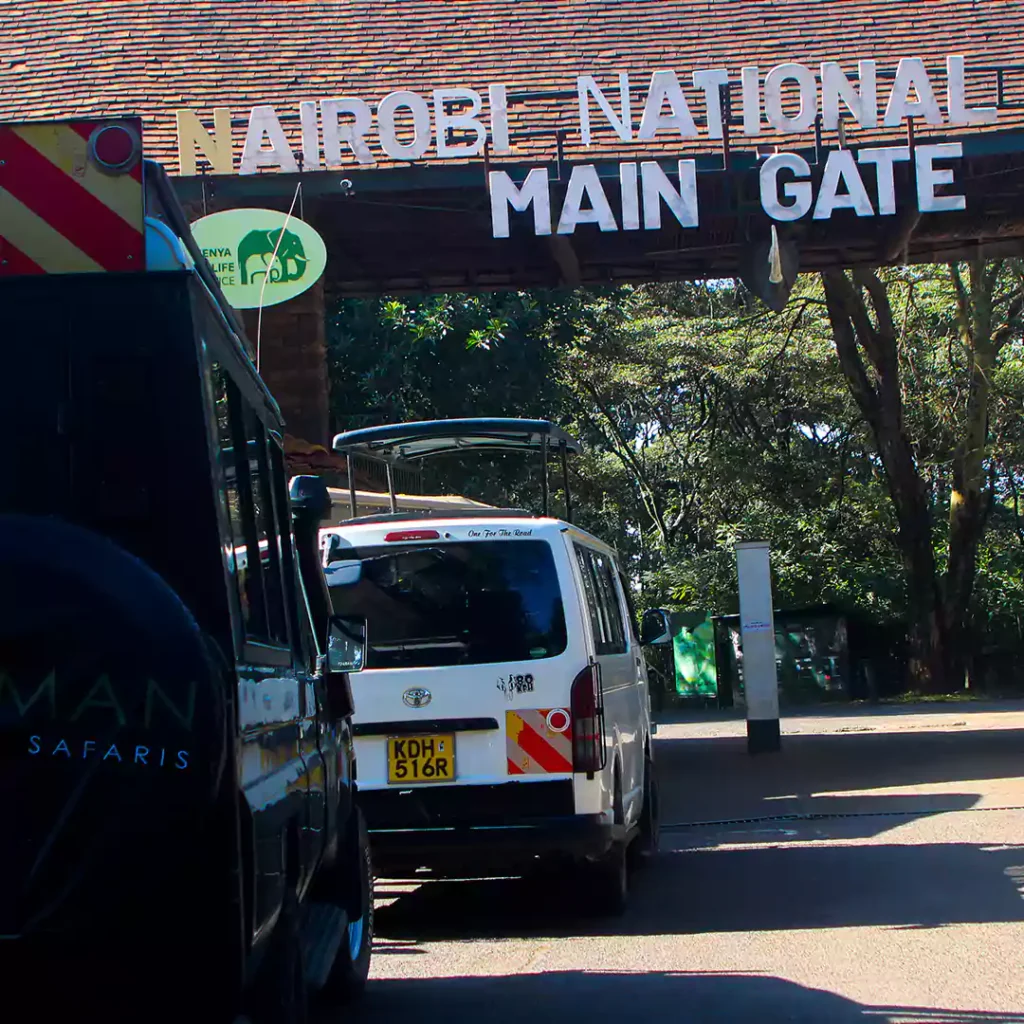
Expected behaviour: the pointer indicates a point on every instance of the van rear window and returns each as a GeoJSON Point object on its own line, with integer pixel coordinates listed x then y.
{"type": "Point", "coordinates": [456, 604]}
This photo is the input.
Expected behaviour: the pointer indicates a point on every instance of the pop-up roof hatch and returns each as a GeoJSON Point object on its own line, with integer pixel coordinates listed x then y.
{"type": "Point", "coordinates": [396, 442]}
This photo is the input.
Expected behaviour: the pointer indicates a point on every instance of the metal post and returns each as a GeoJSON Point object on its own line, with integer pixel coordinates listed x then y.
{"type": "Point", "coordinates": [544, 467]}
{"type": "Point", "coordinates": [726, 107]}
{"type": "Point", "coordinates": [565, 481]}
{"type": "Point", "coordinates": [391, 489]}
{"type": "Point", "coordinates": [757, 632]}
{"type": "Point", "coordinates": [351, 486]}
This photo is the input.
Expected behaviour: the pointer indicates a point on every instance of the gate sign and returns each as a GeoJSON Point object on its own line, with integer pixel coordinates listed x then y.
{"type": "Point", "coordinates": [260, 257]}
{"type": "Point", "coordinates": [785, 100]}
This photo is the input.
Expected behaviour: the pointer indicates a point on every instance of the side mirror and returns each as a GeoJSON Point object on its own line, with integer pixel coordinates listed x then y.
{"type": "Point", "coordinates": [343, 574]}
{"type": "Point", "coordinates": [346, 653]}
{"type": "Point", "coordinates": [310, 498]}
{"type": "Point", "coordinates": [655, 627]}
{"type": "Point", "coordinates": [346, 644]}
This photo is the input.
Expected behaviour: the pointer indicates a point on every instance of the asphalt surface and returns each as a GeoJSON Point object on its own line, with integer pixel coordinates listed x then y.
{"type": "Point", "coordinates": [871, 871]}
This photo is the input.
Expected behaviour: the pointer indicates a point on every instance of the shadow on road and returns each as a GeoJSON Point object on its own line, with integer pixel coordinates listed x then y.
{"type": "Point", "coordinates": [842, 709]}
{"type": "Point", "coordinates": [841, 817]}
{"type": "Point", "coordinates": [736, 890]}
{"type": "Point", "coordinates": [561, 996]}
{"type": "Point", "coordinates": [715, 779]}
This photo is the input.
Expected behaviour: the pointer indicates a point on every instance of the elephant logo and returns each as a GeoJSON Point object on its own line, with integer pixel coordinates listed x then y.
{"type": "Point", "coordinates": [259, 246]}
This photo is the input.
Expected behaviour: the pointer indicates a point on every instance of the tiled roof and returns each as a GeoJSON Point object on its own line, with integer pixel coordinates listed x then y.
{"type": "Point", "coordinates": [98, 57]}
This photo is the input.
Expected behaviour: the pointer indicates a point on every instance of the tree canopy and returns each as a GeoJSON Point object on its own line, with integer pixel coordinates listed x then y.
{"type": "Point", "coordinates": [871, 432]}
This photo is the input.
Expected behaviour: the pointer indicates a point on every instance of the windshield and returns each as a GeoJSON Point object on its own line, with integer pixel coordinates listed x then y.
{"type": "Point", "coordinates": [456, 604]}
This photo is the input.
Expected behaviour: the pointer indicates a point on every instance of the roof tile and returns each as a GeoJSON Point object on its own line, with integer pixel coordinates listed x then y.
{"type": "Point", "coordinates": [155, 56]}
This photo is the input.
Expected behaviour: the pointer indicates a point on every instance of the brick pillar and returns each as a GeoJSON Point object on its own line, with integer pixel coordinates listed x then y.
{"type": "Point", "coordinates": [293, 362]}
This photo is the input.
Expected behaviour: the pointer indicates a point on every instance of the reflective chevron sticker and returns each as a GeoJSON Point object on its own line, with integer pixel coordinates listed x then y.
{"type": "Point", "coordinates": [538, 742]}
{"type": "Point", "coordinates": [60, 211]}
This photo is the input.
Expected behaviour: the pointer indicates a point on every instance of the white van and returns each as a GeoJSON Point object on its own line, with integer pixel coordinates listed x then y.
{"type": "Point", "coordinates": [503, 714]}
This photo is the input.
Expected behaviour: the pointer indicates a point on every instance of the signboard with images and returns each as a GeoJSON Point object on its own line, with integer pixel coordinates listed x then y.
{"type": "Point", "coordinates": [260, 257]}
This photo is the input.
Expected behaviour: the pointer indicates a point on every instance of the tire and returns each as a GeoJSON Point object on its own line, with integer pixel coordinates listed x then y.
{"type": "Point", "coordinates": [645, 846]}
{"type": "Point", "coordinates": [279, 995]}
{"type": "Point", "coordinates": [347, 979]}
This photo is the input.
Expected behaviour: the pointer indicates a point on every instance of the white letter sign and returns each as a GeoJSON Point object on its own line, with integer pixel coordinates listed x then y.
{"type": "Point", "coordinates": [462, 121]}
{"type": "Point", "coordinates": [928, 177]}
{"type": "Point", "coordinates": [505, 193]}
{"type": "Point", "coordinates": [263, 122]}
{"type": "Point", "coordinates": [587, 87]}
{"type": "Point", "coordinates": [911, 74]}
{"type": "Point", "coordinates": [799, 191]}
{"type": "Point", "coordinates": [665, 86]}
{"type": "Point", "coordinates": [584, 182]}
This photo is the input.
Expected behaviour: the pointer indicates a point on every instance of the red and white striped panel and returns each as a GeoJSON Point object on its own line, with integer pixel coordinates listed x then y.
{"type": "Point", "coordinates": [538, 741]}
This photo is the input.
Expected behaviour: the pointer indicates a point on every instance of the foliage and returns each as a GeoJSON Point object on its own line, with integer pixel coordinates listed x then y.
{"type": "Point", "coordinates": [707, 420]}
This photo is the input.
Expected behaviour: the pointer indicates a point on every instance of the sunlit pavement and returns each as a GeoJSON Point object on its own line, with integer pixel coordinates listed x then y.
{"type": "Point", "coordinates": [872, 871]}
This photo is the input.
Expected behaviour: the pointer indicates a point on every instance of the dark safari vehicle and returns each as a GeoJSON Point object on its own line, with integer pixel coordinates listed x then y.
{"type": "Point", "coordinates": [178, 834]}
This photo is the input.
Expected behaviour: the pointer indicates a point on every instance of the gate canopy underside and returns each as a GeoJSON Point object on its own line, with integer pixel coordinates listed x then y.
{"type": "Point", "coordinates": [428, 228]}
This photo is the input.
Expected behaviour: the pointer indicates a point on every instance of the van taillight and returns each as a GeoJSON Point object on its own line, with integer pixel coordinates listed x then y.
{"type": "Point", "coordinates": [587, 721]}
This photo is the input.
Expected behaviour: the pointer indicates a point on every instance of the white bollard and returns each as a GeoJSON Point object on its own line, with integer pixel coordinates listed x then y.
{"type": "Point", "coordinates": [757, 631]}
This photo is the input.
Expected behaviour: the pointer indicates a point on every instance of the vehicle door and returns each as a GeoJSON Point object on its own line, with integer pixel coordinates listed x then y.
{"type": "Point", "coordinates": [617, 660]}
{"type": "Point", "coordinates": [321, 776]}
{"type": "Point", "coordinates": [329, 755]}
{"type": "Point", "coordinates": [272, 771]}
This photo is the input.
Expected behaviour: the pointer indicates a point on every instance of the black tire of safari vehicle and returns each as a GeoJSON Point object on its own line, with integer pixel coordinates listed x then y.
{"type": "Point", "coordinates": [645, 846]}
{"type": "Point", "coordinates": [279, 995]}
{"type": "Point", "coordinates": [347, 979]}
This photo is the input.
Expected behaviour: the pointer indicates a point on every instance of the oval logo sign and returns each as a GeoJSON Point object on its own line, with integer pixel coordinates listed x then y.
{"type": "Point", "coordinates": [416, 697]}
{"type": "Point", "coordinates": [240, 246]}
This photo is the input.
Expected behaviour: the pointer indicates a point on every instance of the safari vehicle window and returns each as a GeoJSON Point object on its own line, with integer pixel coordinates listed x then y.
{"type": "Point", "coordinates": [266, 528]}
{"type": "Point", "coordinates": [248, 466]}
{"type": "Point", "coordinates": [456, 604]}
{"type": "Point", "coordinates": [602, 601]}
{"type": "Point", "coordinates": [222, 386]}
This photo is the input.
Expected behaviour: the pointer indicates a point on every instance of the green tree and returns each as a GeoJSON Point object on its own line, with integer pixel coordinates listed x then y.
{"type": "Point", "coordinates": [921, 369]}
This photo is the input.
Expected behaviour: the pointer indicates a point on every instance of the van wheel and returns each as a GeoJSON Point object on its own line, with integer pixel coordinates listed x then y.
{"type": "Point", "coordinates": [347, 979]}
{"type": "Point", "coordinates": [279, 995]}
{"type": "Point", "coordinates": [646, 843]}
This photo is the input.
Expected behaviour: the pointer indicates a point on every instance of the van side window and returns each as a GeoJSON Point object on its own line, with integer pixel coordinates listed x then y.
{"type": "Point", "coordinates": [297, 617]}
{"type": "Point", "coordinates": [223, 390]}
{"type": "Point", "coordinates": [266, 529]}
{"type": "Point", "coordinates": [630, 607]}
{"type": "Point", "coordinates": [609, 597]}
{"type": "Point", "coordinates": [590, 593]}
{"type": "Point", "coordinates": [602, 601]}
{"type": "Point", "coordinates": [254, 608]}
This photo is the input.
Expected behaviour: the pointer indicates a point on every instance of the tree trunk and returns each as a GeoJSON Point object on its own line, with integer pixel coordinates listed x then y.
{"type": "Point", "coordinates": [875, 386]}
{"type": "Point", "coordinates": [969, 501]}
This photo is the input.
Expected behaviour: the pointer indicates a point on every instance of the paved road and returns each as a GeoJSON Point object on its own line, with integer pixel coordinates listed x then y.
{"type": "Point", "coordinates": [868, 873]}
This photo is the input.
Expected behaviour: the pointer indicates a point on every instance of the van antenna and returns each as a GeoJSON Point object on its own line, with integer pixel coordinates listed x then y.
{"type": "Point", "coordinates": [270, 267]}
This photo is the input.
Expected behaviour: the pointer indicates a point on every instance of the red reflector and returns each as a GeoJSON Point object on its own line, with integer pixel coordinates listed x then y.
{"type": "Point", "coordinates": [115, 148]}
{"type": "Point", "coordinates": [400, 535]}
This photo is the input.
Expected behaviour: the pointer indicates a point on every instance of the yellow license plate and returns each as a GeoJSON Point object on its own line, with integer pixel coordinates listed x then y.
{"type": "Point", "coordinates": [421, 759]}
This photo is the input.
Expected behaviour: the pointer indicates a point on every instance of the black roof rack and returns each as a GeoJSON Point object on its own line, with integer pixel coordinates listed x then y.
{"type": "Point", "coordinates": [426, 438]}
{"type": "Point", "coordinates": [421, 440]}
{"type": "Point", "coordinates": [437, 513]}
